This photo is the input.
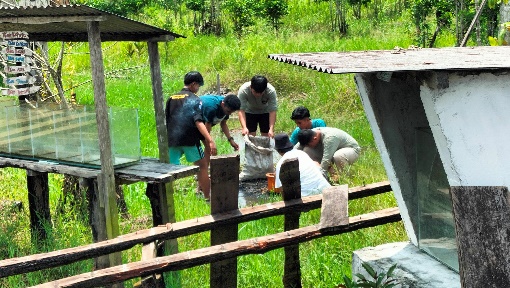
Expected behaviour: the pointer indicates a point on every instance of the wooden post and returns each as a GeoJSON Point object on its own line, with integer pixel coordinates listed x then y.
{"type": "Point", "coordinates": [157, 96]}
{"type": "Point", "coordinates": [96, 213]}
{"type": "Point", "coordinates": [162, 201]}
{"type": "Point", "coordinates": [224, 198]}
{"type": "Point", "coordinates": [106, 179]}
{"type": "Point", "coordinates": [482, 225]}
{"type": "Point", "coordinates": [39, 203]}
{"type": "Point", "coordinates": [291, 189]}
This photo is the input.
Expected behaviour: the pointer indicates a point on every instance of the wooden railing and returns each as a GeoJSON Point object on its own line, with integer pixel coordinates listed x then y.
{"type": "Point", "coordinates": [334, 220]}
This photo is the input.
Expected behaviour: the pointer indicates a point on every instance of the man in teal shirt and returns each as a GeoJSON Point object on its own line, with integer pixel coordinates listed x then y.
{"type": "Point", "coordinates": [301, 116]}
{"type": "Point", "coordinates": [217, 109]}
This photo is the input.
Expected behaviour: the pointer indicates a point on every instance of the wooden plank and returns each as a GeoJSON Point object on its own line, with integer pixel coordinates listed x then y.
{"type": "Point", "coordinates": [154, 172]}
{"type": "Point", "coordinates": [149, 252]}
{"type": "Point", "coordinates": [291, 190]}
{"type": "Point", "coordinates": [49, 167]}
{"type": "Point", "coordinates": [224, 198]}
{"type": "Point", "coordinates": [106, 179]}
{"type": "Point", "coordinates": [20, 265]}
{"type": "Point", "coordinates": [202, 256]}
{"type": "Point", "coordinates": [369, 190]}
{"type": "Point", "coordinates": [482, 224]}
{"type": "Point", "coordinates": [162, 172]}
{"type": "Point", "coordinates": [334, 207]}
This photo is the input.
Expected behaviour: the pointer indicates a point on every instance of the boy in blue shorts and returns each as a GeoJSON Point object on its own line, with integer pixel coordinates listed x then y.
{"type": "Point", "coordinates": [185, 127]}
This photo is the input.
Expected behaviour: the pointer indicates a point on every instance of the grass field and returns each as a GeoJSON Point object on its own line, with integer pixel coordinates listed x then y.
{"type": "Point", "coordinates": [331, 97]}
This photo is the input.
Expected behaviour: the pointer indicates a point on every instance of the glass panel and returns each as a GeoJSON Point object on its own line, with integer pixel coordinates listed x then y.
{"type": "Point", "coordinates": [19, 135]}
{"type": "Point", "coordinates": [125, 139]}
{"type": "Point", "coordinates": [4, 131]}
{"type": "Point", "coordinates": [42, 133]}
{"type": "Point", "coordinates": [436, 235]}
{"type": "Point", "coordinates": [68, 135]}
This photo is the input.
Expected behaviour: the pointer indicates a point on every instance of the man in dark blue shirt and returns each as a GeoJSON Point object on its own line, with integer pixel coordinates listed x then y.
{"type": "Point", "coordinates": [185, 127]}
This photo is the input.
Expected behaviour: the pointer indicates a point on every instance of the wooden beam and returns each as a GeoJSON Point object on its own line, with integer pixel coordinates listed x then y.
{"type": "Point", "coordinates": [369, 190]}
{"type": "Point", "coordinates": [157, 96]}
{"type": "Point", "coordinates": [202, 256]}
{"type": "Point", "coordinates": [106, 179]}
{"type": "Point", "coordinates": [482, 225]}
{"type": "Point", "coordinates": [20, 265]}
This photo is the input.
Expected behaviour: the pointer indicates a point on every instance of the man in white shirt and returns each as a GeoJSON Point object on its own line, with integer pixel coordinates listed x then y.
{"type": "Point", "coordinates": [311, 178]}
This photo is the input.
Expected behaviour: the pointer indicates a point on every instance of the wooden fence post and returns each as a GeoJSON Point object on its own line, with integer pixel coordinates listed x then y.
{"type": "Point", "coordinates": [38, 203]}
{"type": "Point", "coordinates": [224, 198]}
{"type": "Point", "coordinates": [161, 195]}
{"type": "Point", "coordinates": [291, 189]}
{"type": "Point", "coordinates": [482, 225]}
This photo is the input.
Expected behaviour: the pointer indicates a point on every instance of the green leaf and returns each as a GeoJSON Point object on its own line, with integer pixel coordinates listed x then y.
{"type": "Point", "coordinates": [361, 276]}
{"type": "Point", "coordinates": [369, 269]}
{"type": "Point", "coordinates": [392, 268]}
{"type": "Point", "coordinates": [348, 282]}
{"type": "Point", "coordinates": [379, 280]}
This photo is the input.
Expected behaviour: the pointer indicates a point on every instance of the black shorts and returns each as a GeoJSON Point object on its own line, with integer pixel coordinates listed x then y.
{"type": "Point", "coordinates": [262, 120]}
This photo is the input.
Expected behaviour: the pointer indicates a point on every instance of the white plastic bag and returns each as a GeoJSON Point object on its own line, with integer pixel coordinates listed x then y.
{"type": "Point", "coordinates": [258, 158]}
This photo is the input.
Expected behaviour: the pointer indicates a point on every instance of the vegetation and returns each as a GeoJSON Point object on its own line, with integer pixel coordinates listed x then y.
{"type": "Point", "coordinates": [235, 49]}
{"type": "Point", "coordinates": [374, 279]}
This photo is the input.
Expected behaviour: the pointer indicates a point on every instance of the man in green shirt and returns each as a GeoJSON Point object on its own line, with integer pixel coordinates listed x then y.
{"type": "Point", "coordinates": [337, 146]}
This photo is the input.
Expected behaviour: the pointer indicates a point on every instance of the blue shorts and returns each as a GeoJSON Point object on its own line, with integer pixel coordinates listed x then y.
{"type": "Point", "coordinates": [192, 153]}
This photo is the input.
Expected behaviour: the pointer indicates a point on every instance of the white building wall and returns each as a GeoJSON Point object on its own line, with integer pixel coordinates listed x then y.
{"type": "Point", "coordinates": [470, 122]}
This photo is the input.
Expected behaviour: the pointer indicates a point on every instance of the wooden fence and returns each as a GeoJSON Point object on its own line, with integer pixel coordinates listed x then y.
{"type": "Point", "coordinates": [223, 221]}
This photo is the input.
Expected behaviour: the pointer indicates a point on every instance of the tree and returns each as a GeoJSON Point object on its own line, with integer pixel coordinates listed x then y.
{"type": "Point", "coordinates": [340, 21]}
{"type": "Point", "coordinates": [356, 6]}
{"type": "Point", "coordinates": [242, 13]}
{"type": "Point", "coordinates": [119, 7]}
{"type": "Point", "coordinates": [274, 10]}
{"type": "Point", "coordinates": [421, 11]}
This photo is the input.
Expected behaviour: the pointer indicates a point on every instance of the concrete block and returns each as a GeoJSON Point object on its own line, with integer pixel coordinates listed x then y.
{"type": "Point", "coordinates": [415, 268]}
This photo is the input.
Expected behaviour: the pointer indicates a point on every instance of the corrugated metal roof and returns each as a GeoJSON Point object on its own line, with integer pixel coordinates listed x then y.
{"type": "Point", "coordinates": [471, 58]}
{"type": "Point", "coordinates": [69, 23]}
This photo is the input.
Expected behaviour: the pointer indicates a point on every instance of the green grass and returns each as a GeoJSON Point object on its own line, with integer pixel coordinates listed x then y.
{"type": "Point", "coordinates": [331, 97]}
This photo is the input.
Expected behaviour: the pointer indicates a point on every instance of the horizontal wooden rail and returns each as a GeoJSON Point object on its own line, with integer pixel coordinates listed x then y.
{"type": "Point", "coordinates": [21, 265]}
{"type": "Point", "coordinates": [221, 252]}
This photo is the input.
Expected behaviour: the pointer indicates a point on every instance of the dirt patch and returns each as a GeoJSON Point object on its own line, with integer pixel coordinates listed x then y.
{"type": "Point", "coordinates": [253, 192]}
